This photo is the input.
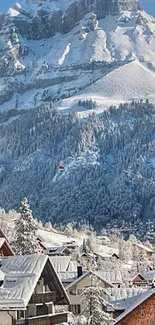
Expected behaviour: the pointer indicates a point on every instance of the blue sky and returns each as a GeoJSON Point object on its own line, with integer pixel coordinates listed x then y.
{"type": "Point", "coordinates": [148, 5]}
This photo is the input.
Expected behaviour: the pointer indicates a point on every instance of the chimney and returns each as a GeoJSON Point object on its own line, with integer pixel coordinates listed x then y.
{"type": "Point", "coordinates": [79, 271]}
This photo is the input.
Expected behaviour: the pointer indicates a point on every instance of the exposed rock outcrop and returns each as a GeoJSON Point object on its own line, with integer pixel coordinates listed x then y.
{"type": "Point", "coordinates": [47, 23]}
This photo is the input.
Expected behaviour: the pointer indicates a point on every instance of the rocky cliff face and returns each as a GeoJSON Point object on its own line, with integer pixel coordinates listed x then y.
{"type": "Point", "coordinates": [46, 19]}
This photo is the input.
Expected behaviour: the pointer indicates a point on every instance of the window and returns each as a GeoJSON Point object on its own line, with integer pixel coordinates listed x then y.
{"type": "Point", "coordinates": [75, 309]}
{"type": "Point", "coordinates": [72, 291]}
{"type": "Point", "coordinates": [21, 314]}
{"type": "Point", "coordinates": [52, 250]}
{"type": "Point", "coordinates": [10, 283]}
{"type": "Point", "coordinates": [142, 312]}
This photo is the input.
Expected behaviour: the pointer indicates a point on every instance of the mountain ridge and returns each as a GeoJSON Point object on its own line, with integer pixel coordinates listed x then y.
{"type": "Point", "coordinates": [33, 71]}
{"type": "Point", "coordinates": [97, 64]}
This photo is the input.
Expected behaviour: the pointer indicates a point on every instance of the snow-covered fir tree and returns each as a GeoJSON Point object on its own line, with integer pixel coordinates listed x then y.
{"type": "Point", "coordinates": [94, 310]}
{"type": "Point", "coordinates": [94, 305]}
{"type": "Point", "coordinates": [26, 231]}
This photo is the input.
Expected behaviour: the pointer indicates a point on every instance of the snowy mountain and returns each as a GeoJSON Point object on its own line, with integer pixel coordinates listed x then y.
{"type": "Point", "coordinates": [50, 50]}
{"type": "Point", "coordinates": [78, 56]}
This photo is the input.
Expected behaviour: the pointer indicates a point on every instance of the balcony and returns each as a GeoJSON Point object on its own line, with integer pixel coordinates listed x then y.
{"type": "Point", "coordinates": [51, 319]}
{"type": "Point", "coordinates": [40, 298]}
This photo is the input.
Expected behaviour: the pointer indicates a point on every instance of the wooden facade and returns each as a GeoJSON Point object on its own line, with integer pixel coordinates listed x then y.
{"type": "Point", "coordinates": [44, 320]}
{"type": "Point", "coordinates": [5, 248]}
{"type": "Point", "coordinates": [37, 305]}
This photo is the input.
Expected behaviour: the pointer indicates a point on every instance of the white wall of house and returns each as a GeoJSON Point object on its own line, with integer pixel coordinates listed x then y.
{"type": "Point", "coordinates": [75, 291]}
{"type": "Point", "coordinates": [5, 318]}
{"type": "Point", "coordinates": [40, 286]}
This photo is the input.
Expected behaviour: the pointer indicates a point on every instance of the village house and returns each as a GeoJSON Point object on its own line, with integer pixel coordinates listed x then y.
{"type": "Point", "coordinates": [143, 279]}
{"type": "Point", "coordinates": [114, 277]}
{"type": "Point", "coordinates": [139, 312]}
{"type": "Point", "coordinates": [137, 280]}
{"type": "Point", "coordinates": [148, 252]}
{"type": "Point", "coordinates": [58, 251]}
{"type": "Point", "coordinates": [75, 289]}
{"type": "Point", "coordinates": [29, 290]}
{"type": "Point", "coordinates": [48, 240]}
{"type": "Point", "coordinates": [66, 268]}
{"type": "Point", "coordinates": [121, 298]}
{"type": "Point", "coordinates": [5, 248]}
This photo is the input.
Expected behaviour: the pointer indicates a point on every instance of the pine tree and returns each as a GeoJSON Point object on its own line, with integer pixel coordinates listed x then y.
{"type": "Point", "coordinates": [25, 228]}
{"type": "Point", "coordinates": [94, 304]}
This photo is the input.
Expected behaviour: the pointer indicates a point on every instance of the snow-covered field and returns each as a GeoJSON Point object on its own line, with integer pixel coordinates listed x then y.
{"type": "Point", "coordinates": [132, 81]}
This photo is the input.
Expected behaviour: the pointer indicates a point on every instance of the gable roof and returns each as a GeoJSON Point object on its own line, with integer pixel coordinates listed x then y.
{"type": "Point", "coordinates": [60, 263]}
{"type": "Point", "coordinates": [124, 293]}
{"type": "Point", "coordinates": [4, 242]}
{"type": "Point", "coordinates": [133, 276]}
{"type": "Point", "coordinates": [140, 299]}
{"type": "Point", "coordinates": [21, 276]}
{"type": "Point", "coordinates": [86, 274]}
{"type": "Point", "coordinates": [149, 276]}
{"type": "Point", "coordinates": [65, 267]}
{"type": "Point", "coordinates": [111, 276]}
{"type": "Point", "coordinates": [147, 249]}
{"type": "Point", "coordinates": [2, 234]}
{"type": "Point", "coordinates": [122, 298]}
{"type": "Point", "coordinates": [107, 255]}
{"type": "Point", "coordinates": [57, 250]}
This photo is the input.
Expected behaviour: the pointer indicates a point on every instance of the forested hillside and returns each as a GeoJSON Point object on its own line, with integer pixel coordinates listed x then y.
{"type": "Point", "coordinates": [109, 163]}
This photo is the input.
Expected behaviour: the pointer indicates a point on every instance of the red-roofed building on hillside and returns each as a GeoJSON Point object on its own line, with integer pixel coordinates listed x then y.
{"type": "Point", "coordinates": [5, 248]}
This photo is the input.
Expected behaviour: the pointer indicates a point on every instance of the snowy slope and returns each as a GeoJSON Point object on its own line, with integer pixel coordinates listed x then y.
{"type": "Point", "coordinates": [52, 238]}
{"type": "Point", "coordinates": [131, 81]}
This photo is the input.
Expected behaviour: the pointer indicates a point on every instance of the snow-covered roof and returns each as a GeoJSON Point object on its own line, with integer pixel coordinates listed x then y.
{"type": "Point", "coordinates": [122, 298]}
{"type": "Point", "coordinates": [132, 276]}
{"type": "Point", "coordinates": [87, 274]}
{"type": "Point", "coordinates": [123, 293]}
{"type": "Point", "coordinates": [51, 238]}
{"type": "Point", "coordinates": [56, 250]}
{"type": "Point", "coordinates": [67, 277]}
{"type": "Point", "coordinates": [111, 276]}
{"type": "Point", "coordinates": [147, 249]}
{"type": "Point", "coordinates": [72, 267]}
{"type": "Point", "coordinates": [137, 302]}
{"type": "Point", "coordinates": [104, 238]}
{"type": "Point", "coordinates": [64, 263]}
{"type": "Point", "coordinates": [65, 267]}
{"type": "Point", "coordinates": [149, 276]}
{"type": "Point", "coordinates": [106, 255]}
{"type": "Point", "coordinates": [2, 275]}
{"type": "Point", "coordinates": [21, 276]}
{"type": "Point", "coordinates": [60, 263]}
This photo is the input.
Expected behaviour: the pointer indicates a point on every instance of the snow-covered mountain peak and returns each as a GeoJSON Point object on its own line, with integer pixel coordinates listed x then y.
{"type": "Point", "coordinates": [51, 50]}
